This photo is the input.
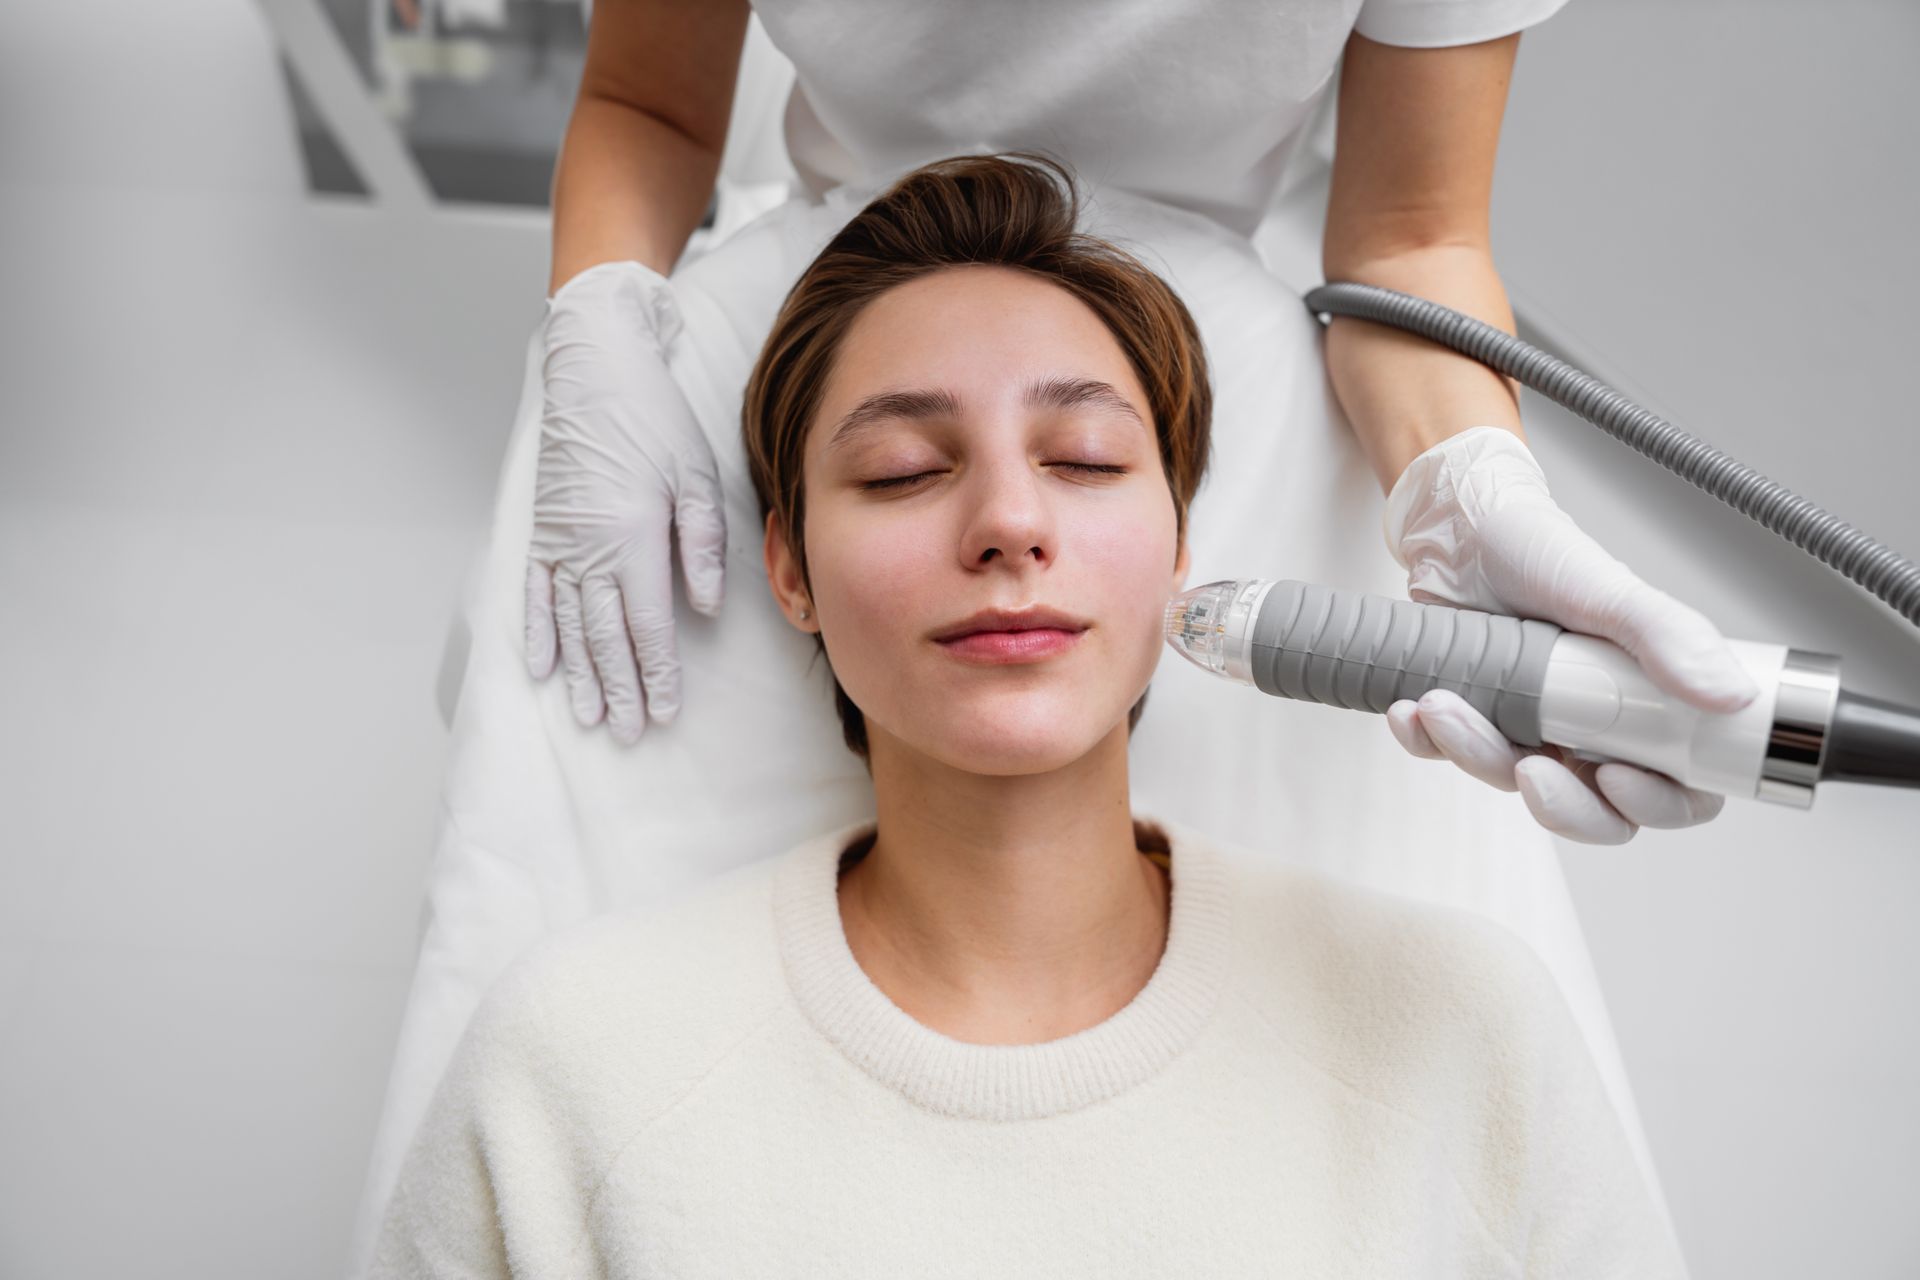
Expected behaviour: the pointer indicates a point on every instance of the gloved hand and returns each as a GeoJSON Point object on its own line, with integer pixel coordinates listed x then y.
{"type": "Point", "coordinates": [1472, 522]}
{"type": "Point", "coordinates": [621, 460]}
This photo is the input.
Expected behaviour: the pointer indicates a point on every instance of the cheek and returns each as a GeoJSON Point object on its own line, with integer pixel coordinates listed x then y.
{"type": "Point", "coordinates": [1126, 549]}
{"type": "Point", "coordinates": [866, 576]}
{"type": "Point", "coordinates": [1132, 559]}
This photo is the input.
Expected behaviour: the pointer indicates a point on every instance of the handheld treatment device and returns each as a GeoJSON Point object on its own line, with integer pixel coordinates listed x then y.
{"type": "Point", "coordinates": [1539, 683]}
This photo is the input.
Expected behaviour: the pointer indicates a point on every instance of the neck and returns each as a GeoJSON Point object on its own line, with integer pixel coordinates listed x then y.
{"type": "Point", "coordinates": [1005, 910]}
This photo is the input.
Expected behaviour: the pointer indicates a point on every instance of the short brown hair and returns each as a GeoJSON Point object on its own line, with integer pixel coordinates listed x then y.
{"type": "Point", "coordinates": [1017, 209]}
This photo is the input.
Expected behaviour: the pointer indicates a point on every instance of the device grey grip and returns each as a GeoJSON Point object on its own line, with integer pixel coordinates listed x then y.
{"type": "Point", "coordinates": [1366, 652]}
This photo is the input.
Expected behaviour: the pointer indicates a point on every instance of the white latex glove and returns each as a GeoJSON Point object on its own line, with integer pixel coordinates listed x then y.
{"type": "Point", "coordinates": [1472, 522]}
{"type": "Point", "coordinates": [622, 459]}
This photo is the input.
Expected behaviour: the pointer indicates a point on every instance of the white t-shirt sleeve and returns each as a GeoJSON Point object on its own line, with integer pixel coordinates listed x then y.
{"type": "Point", "coordinates": [1433, 24]}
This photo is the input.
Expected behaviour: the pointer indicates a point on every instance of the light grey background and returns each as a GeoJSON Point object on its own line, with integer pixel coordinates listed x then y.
{"type": "Point", "coordinates": [248, 441]}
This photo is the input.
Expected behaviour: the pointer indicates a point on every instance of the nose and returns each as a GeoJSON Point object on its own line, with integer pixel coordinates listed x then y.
{"type": "Point", "coordinates": [1009, 515]}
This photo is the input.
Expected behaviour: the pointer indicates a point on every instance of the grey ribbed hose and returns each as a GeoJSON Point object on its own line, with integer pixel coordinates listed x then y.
{"type": "Point", "coordinates": [1880, 569]}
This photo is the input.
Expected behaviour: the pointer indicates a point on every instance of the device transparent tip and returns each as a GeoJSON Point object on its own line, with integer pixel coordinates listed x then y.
{"type": "Point", "coordinates": [1211, 626]}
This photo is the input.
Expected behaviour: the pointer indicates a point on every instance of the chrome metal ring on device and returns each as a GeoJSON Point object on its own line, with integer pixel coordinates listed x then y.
{"type": "Point", "coordinates": [1802, 719]}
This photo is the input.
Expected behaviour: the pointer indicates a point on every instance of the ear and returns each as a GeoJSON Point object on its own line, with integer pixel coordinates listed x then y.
{"type": "Point", "coordinates": [1180, 567]}
{"type": "Point", "coordinates": [783, 576]}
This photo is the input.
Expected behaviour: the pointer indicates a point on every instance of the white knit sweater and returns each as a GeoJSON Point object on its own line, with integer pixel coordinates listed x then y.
{"type": "Point", "coordinates": [1318, 1080]}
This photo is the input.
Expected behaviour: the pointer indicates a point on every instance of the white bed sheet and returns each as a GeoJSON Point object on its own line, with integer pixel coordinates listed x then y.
{"type": "Point", "coordinates": [543, 824]}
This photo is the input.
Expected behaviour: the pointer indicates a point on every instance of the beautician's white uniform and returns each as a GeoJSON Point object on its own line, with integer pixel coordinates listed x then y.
{"type": "Point", "coordinates": [1195, 103]}
{"type": "Point", "coordinates": [1197, 106]}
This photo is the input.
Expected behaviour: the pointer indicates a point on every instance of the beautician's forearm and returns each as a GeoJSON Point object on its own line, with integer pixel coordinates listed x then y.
{"type": "Point", "coordinates": [1402, 393]}
{"type": "Point", "coordinates": [628, 185]}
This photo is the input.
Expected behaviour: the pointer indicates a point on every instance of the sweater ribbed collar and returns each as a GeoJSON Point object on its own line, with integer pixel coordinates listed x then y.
{"type": "Point", "coordinates": [1003, 1082]}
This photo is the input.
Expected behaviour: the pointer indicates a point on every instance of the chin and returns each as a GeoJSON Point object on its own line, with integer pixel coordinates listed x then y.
{"type": "Point", "coordinates": [1011, 741]}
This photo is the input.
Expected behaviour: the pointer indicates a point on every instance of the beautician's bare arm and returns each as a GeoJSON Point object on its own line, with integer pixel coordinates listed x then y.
{"type": "Point", "coordinates": [1412, 181]}
{"type": "Point", "coordinates": [642, 150]}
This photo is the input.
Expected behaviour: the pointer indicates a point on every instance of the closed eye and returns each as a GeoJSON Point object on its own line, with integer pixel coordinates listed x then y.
{"type": "Point", "coordinates": [1093, 467]}
{"type": "Point", "coordinates": [897, 480]}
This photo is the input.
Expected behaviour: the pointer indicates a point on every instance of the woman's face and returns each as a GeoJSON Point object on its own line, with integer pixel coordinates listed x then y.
{"type": "Point", "coordinates": [1003, 391]}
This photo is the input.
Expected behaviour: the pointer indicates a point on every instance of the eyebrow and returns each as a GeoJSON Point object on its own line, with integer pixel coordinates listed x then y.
{"type": "Point", "coordinates": [914, 405]}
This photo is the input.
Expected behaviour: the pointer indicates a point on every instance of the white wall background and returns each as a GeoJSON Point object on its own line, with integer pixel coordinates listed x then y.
{"type": "Point", "coordinates": [231, 538]}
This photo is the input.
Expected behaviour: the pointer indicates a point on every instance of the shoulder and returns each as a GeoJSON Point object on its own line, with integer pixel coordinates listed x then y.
{"type": "Point", "coordinates": [712, 940]}
{"type": "Point", "coordinates": [1450, 1021]}
{"type": "Point", "coordinates": [588, 1037]}
{"type": "Point", "coordinates": [638, 1003]}
{"type": "Point", "coordinates": [1411, 1002]}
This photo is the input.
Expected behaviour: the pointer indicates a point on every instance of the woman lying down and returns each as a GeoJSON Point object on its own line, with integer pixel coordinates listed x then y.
{"type": "Point", "coordinates": [1010, 1027]}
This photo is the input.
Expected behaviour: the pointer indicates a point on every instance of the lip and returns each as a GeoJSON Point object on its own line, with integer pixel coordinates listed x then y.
{"type": "Point", "coordinates": [1000, 648]}
{"type": "Point", "coordinates": [1033, 618]}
